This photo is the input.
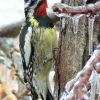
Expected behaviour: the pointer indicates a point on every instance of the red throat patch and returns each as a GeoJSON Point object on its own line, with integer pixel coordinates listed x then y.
{"type": "Point", "coordinates": [41, 11]}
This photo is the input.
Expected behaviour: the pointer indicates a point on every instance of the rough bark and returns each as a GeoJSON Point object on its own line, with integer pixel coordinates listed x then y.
{"type": "Point", "coordinates": [74, 49]}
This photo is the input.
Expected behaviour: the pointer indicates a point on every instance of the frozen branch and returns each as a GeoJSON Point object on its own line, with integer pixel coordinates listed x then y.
{"type": "Point", "coordinates": [86, 84]}
{"type": "Point", "coordinates": [84, 9]}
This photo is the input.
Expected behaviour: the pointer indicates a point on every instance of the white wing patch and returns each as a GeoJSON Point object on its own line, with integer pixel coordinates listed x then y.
{"type": "Point", "coordinates": [27, 46]}
{"type": "Point", "coordinates": [51, 81]}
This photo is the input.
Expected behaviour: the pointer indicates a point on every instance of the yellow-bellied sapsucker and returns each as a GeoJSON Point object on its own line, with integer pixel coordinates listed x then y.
{"type": "Point", "coordinates": [38, 39]}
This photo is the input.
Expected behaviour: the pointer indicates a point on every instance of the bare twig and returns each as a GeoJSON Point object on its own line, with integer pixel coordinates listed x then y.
{"type": "Point", "coordinates": [22, 94]}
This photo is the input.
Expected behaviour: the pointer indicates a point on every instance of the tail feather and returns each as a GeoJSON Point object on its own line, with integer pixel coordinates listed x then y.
{"type": "Point", "coordinates": [49, 96]}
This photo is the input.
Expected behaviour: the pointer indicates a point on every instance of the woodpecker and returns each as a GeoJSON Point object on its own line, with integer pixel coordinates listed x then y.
{"type": "Point", "coordinates": [37, 40]}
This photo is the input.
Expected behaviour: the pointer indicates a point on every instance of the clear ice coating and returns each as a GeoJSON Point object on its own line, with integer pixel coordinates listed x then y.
{"type": "Point", "coordinates": [95, 85]}
{"type": "Point", "coordinates": [75, 20]}
{"type": "Point", "coordinates": [98, 84]}
{"type": "Point", "coordinates": [63, 22]}
{"type": "Point", "coordinates": [91, 20]}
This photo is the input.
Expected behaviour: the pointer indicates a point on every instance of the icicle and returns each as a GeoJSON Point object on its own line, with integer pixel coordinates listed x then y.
{"type": "Point", "coordinates": [93, 86]}
{"type": "Point", "coordinates": [75, 20]}
{"type": "Point", "coordinates": [91, 20]}
{"type": "Point", "coordinates": [98, 84]}
{"type": "Point", "coordinates": [98, 79]}
{"type": "Point", "coordinates": [62, 17]}
{"type": "Point", "coordinates": [63, 22]}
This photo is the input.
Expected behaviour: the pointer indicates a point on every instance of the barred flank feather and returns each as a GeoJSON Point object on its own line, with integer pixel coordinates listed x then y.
{"type": "Point", "coordinates": [27, 52]}
{"type": "Point", "coordinates": [37, 54]}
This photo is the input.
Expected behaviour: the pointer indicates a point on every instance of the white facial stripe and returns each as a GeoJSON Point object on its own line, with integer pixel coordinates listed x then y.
{"type": "Point", "coordinates": [27, 4]}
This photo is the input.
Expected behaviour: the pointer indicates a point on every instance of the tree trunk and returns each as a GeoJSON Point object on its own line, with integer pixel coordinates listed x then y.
{"type": "Point", "coordinates": [74, 48]}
